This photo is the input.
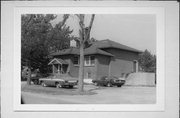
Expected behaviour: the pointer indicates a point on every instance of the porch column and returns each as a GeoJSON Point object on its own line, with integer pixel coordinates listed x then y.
{"type": "Point", "coordinates": [52, 68]}
{"type": "Point", "coordinates": [109, 73]}
{"type": "Point", "coordinates": [61, 68]}
{"type": "Point", "coordinates": [96, 65]}
{"type": "Point", "coordinates": [68, 69]}
{"type": "Point", "coordinates": [58, 68]}
{"type": "Point", "coordinates": [137, 66]}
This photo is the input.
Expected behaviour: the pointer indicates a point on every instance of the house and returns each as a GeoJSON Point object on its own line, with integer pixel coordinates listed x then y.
{"type": "Point", "coordinates": [102, 58]}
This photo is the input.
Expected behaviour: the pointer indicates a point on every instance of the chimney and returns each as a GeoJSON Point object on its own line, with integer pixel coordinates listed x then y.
{"type": "Point", "coordinates": [72, 43]}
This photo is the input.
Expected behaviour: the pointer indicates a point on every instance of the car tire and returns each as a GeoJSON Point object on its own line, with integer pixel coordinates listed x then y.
{"type": "Point", "coordinates": [35, 82]}
{"type": "Point", "coordinates": [118, 85]}
{"type": "Point", "coordinates": [96, 84]}
{"type": "Point", "coordinates": [58, 85]}
{"type": "Point", "coordinates": [109, 85]}
{"type": "Point", "coordinates": [70, 86]}
{"type": "Point", "coordinates": [43, 84]}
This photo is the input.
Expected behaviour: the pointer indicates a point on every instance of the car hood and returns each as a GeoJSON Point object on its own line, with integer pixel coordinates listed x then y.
{"type": "Point", "coordinates": [61, 78]}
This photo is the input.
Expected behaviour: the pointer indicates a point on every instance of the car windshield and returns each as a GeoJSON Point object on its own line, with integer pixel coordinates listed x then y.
{"type": "Point", "coordinates": [114, 77]}
{"type": "Point", "coordinates": [104, 78]}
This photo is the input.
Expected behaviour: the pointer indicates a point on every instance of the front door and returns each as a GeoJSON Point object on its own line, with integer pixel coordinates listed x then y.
{"type": "Point", "coordinates": [64, 68]}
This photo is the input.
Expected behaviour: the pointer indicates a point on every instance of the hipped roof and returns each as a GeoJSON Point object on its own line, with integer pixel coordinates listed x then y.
{"type": "Point", "coordinates": [96, 48]}
{"type": "Point", "coordinates": [112, 44]}
{"type": "Point", "coordinates": [87, 51]}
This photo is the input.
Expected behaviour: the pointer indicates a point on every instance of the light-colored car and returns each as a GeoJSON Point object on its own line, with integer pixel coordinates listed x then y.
{"type": "Point", "coordinates": [58, 82]}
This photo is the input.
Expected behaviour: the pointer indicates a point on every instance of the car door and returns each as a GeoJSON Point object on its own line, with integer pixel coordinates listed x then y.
{"type": "Point", "coordinates": [107, 80]}
{"type": "Point", "coordinates": [104, 81]}
{"type": "Point", "coordinates": [47, 82]}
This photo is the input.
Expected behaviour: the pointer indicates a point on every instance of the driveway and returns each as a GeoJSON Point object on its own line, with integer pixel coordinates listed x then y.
{"type": "Point", "coordinates": [93, 95]}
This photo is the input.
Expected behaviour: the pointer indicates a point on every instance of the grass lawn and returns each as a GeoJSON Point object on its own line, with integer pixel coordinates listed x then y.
{"type": "Point", "coordinates": [56, 91]}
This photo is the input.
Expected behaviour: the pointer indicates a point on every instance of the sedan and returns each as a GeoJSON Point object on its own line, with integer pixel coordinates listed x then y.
{"type": "Point", "coordinates": [109, 81]}
{"type": "Point", "coordinates": [58, 82]}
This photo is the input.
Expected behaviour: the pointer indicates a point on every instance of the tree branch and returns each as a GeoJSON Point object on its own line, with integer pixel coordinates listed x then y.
{"type": "Point", "coordinates": [90, 26]}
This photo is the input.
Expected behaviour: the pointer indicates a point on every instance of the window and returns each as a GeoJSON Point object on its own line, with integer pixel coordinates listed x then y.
{"type": "Point", "coordinates": [89, 61]}
{"type": "Point", "coordinates": [92, 60]}
{"type": "Point", "coordinates": [86, 60]}
{"type": "Point", "coordinates": [76, 60]}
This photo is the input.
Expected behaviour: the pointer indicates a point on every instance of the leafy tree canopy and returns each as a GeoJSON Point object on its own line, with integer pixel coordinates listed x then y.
{"type": "Point", "coordinates": [147, 61]}
{"type": "Point", "coordinates": [39, 38]}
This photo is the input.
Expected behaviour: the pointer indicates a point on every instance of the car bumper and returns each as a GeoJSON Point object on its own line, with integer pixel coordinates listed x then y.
{"type": "Point", "coordinates": [118, 84]}
{"type": "Point", "coordinates": [69, 84]}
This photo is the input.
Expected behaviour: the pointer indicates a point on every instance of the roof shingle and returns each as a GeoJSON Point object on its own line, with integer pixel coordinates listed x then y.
{"type": "Point", "coordinates": [57, 61]}
{"type": "Point", "coordinates": [112, 44]}
{"type": "Point", "coordinates": [96, 48]}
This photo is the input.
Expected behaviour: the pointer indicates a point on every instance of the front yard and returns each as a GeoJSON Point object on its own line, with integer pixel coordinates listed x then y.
{"type": "Point", "coordinates": [36, 94]}
{"type": "Point", "coordinates": [56, 91]}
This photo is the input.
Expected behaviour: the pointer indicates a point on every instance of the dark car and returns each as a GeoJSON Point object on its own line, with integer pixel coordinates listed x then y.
{"type": "Point", "coordinates": [109, 81]}
{"type": "Point", "coordinates": [35, 78]}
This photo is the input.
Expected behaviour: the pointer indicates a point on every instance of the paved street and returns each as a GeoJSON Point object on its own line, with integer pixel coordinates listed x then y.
{"type": "Point", "coordinates": [95, 95]}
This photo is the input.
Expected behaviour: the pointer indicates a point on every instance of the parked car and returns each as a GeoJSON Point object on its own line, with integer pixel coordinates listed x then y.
{"type": "Point", "coordinates": [109, 81]}
{"type": "Point", "coordinates": [35, 78]}
{"type": "Point", "coordinates": [58, 82]}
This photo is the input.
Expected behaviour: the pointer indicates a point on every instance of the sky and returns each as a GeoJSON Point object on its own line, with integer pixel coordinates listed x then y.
{"type": "Point", "coordinates": [134, 30]}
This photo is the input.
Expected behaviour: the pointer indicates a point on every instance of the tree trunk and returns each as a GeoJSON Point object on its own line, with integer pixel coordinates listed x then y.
{"type": "Point", "coordinates": [84, 34]}
{"type": "Point", "coordinates": [81, 69]}
{"type": "Point", "coordinates": [29, 74]}
{"type": "Point", "coordinates": [29, 77]}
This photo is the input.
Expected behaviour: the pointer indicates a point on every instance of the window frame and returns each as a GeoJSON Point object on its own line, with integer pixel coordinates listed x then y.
{"type": "Point", "coordinates": [76, 60]}
{"type": "Point", "coordinates": [88, 61]}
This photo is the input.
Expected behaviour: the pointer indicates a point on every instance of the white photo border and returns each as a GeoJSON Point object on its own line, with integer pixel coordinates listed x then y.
{"type": "Point", "coordinates": [160, 51]}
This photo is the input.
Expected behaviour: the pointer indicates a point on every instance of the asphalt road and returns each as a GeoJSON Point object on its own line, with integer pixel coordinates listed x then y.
{"type": "Point", "coordinates": [103, 95]}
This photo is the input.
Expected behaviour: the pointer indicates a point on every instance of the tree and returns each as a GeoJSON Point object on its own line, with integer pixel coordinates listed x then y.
{"type": "Point", "coordinates": [33, 37]}
{"type": "Point", "coordinates": [38, 37]}
{"type": "Point", "coordinates": [87, 44]}
{"type": "Point", "coordinates": [84, 36]}
{"type": "Point", "coordinates": [147, 61]}
{"type": "Point", "coordinates": [59, 36]}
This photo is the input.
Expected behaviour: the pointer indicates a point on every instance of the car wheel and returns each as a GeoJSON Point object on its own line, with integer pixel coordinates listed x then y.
{"type": "Point", "coordinates": [109, 85]}
{"type": "Point", "coordinates": [96, 84]}
{"type": "Point", "coordinates": [43, 84]}
{"type": "Point", "coordinates": [36, 82]}
{"type": "Point", "coordinates": [70, 86]}
{"type": "Point", "coordinates": [118, 85]}
{"type": "Point", "coordinates": [58, 85]}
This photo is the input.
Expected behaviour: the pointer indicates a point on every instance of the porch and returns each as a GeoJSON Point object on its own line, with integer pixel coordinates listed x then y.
{"type": "Point", "coordinates": [59, 66]}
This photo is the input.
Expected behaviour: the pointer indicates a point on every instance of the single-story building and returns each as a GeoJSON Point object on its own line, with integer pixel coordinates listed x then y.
{"type": "Point", "coordinates": [102, 58]}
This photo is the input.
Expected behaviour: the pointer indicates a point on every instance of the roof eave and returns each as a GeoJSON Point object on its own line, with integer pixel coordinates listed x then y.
{"type": "Point", "coordinates": [137, 51]}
